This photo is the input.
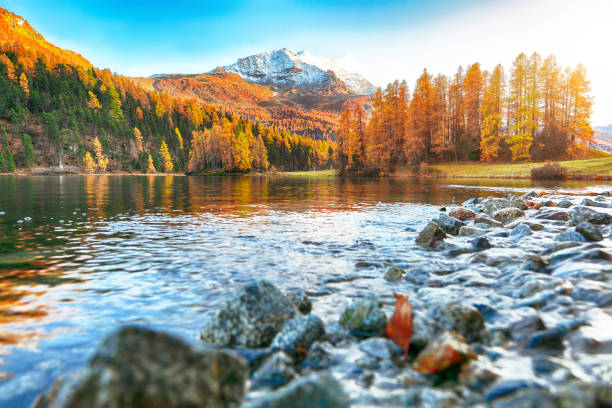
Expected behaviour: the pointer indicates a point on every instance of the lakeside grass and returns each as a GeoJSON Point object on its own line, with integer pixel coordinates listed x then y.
{"type": "Point", "coordinates": [575, 168]}
{"type": "Point", "coordinates": [310, 173]}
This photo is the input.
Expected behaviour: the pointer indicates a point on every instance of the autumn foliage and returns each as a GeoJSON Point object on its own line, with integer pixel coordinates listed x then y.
{"type": "Point", "coordinates": [538, 111]}
{"type": "Point", "coordinates": [79, 115]}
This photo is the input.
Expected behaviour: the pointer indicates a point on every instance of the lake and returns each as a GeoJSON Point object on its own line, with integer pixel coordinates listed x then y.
{"type": "Point", "coordinates": [83, 255]}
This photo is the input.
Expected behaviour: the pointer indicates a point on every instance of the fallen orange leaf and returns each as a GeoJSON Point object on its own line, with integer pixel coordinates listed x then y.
{"type": "Point", "coordinates": [399, 328]}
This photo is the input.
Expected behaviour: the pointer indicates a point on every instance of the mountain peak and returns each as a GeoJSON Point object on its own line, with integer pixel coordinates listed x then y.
{"type": "Point", "coordinates": [287, 68]}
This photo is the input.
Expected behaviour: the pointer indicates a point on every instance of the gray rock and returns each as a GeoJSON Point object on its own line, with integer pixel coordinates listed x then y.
{"type": "Point", "coordinates": [137, 367]}
{"type": "Point", "coordinates": [394, 274]}
{"type": "Point", "coordinates": [552, 215]}
{"type": "Point", "coordinates": [589, 231]}
{"type": "Point", "coordinates": [529, 195]}
{"type": "Point", "coordinates": [492, 205]}
{"type": "Point", "coordinates": [482, 219]}
{"type": "Point", "coordinates": [449, 224]}
{"type": "Point", "coordinates": [521, 230]}
{"type": "Point", "coordinates": [592, 203]}
{"type": "Point", "coordinates": [251, 317]}
{"type": "Point", "coordinates": [507, 214]}
{"type": "Point", "coordinates": [430, 235]}
{"type": "Point", "coordinates": [581, 213]}
{"type": "Point", "coordinates": [299, 298]}
{"type": "Point", "coordinates": [380, 348]}
{"type": "Point", "coordinates": [571, 236]}
{"type": "Point", "coordinates": [275, 372]}
{"type": "Point", "coordinates": [564, 204]}
{"type": "Point", "coordinates": [364, 317]}
{"type": "Point", "coordinates": [466, 231]}
{"type": "Point", "coordinates": [583, 395]}
{"type": "Point", "coordinates": [462, 318]}
{"type": "Point", "coordinates": [480, 243]}
{"type": "Point", "coordinates": [318, 390]}
{"type": "Point", "coordinates": [527, 398]}
{"type": "Point", "coordinates": [320, 357]}
{"type": "Point", "coordinates": [521, 330]}
{"type": "Point", "coordinates": [299, 334]}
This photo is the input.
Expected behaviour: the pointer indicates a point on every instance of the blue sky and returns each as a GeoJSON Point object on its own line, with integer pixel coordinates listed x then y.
{"type": "Point", "coordinates": [382, 40]}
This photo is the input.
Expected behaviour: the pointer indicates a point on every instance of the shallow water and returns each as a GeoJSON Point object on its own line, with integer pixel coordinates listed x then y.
{"type": "Point", "coordinates": [83, 255]}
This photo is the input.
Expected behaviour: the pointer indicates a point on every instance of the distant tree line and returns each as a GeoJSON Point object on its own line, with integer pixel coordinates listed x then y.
{"type": "Point", "coordinates": [79, 115]}
{"type": "Point", "coordinates": [538, 111]}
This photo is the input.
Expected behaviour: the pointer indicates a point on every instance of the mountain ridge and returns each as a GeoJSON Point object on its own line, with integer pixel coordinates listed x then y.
{"type": "Point", "coordinates": [290, 69]}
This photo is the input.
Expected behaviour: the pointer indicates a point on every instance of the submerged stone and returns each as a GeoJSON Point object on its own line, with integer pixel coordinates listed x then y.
{"type": "Point", "coordinates": [318, 390]}
{"type": "Point", "coordinates": [364, 317]}
{"type": "Point", "coordinates": [275, 372]}
{"type": "Point", "coordinates": [394, 274]}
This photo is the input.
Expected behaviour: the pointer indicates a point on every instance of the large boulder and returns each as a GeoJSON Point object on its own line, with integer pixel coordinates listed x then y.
{"type": "Point", "coordinates": [140, 368]}
{"type": "Point", "coordinates": [299, 334]}
{"type": "Point", "coordinates": [431, 235]}
{"type": "Point", "coordinates": [318, 390]}
{"type": "Point", "coordinates": [364, 317]}
{"type": "Point", "coordinates": [250, 318]}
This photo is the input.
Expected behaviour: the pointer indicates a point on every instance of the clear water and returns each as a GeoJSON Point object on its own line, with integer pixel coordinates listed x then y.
{"type": "Point", "coordinates": [83, 255]}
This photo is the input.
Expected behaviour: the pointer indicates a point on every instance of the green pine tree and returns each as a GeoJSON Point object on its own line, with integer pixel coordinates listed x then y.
{"type": "Point", "coordinates": [2, 162]}
{"type": "Point", "coordinates": [10, 161]}
{"type": "Point", "coordinates": [28, 150]}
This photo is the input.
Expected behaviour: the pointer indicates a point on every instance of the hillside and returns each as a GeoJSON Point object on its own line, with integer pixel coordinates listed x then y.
{"type": "Point", "coordinates": [56, 109]}
{"type": "Point", "coordinates": [282, 89]}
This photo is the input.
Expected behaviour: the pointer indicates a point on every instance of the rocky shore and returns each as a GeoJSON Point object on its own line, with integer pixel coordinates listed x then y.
{"type": "Point", "coordinates": [514, 309]}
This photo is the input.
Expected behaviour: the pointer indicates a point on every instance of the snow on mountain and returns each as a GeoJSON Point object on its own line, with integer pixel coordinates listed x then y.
{"type": "Point", "coordinates": [605, 128]}
{"type": "Point", "coordinates": [354, 81]}
{"type": "Point", "coordinates": [288, 68]}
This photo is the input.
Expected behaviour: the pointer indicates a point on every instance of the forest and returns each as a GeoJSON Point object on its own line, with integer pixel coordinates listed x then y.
{"type": "Point", "coordinates": [537, 111]}
{"type": "Point", "coordinates": [55, 113]}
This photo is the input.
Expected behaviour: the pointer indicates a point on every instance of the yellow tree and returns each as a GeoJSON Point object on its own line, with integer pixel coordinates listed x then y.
{"type": "Point", "coordinates": [138, 138]}
{"type": "Point", "coordinates": [93, 102]}
{"type": "Point", "coordinates": [101, 160]}
{"type": "Point", "coordinates": [23, 83]}
{"type": "Point", "coordinates": [151, 167]}
{"type": "Point", "coordinates": [491, 134]}
{"type": "Point", "coordinates": [520, 138]}
{"type": "Point", "coordinates": [179, 138]}
{"type": "Point", "coordinates": [89, 166]}
{"type": "Point", "coordinates": [241, 153]}
{"type": "Point", "coordinates": [472, 88]}
{"type": "Point", "coordinates": [580, 109]}
{"type": "Point", "coordinates": [166, 159]}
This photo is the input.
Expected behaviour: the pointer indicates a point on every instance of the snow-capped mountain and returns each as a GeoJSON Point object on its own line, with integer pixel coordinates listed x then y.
{"type": "Point", "coordinates": [297, 70]}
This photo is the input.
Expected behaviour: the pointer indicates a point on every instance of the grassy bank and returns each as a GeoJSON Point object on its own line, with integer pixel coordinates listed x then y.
{"type": "Point", "coordinates": [601, 167]}
{"type": "Point", "coordinates": [311, 173]}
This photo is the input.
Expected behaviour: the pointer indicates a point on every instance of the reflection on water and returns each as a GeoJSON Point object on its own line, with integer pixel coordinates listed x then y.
{"type": "Point", "coordinates": [81, 255]}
